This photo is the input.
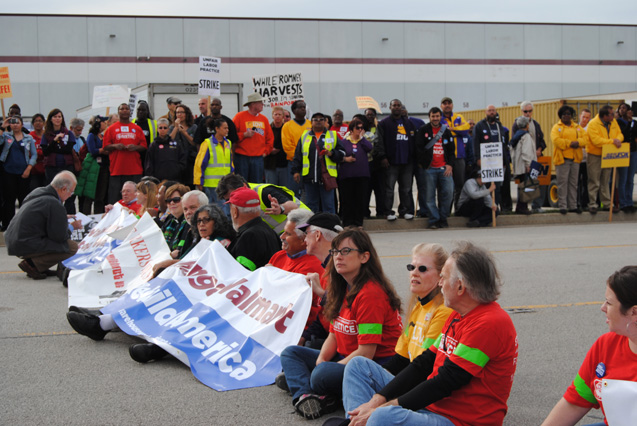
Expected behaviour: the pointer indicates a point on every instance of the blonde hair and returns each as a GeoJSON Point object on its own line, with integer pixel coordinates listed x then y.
{"type": "Point", "coordinates": [440, 256]}
{"type": "Point", "coordinates": [278, 108]}
{"type": "Point", "coordinates": [149, 189]}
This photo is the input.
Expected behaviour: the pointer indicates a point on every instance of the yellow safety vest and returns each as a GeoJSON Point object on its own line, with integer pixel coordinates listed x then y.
{"type": "Point", "coordinates": [219, 164]}
{"type": "Point", "coordinates": [152, 128]}
{"type": "Point", "coordinates": [275, 221]}
{"type": "Point", "coordinates": [329, 144]}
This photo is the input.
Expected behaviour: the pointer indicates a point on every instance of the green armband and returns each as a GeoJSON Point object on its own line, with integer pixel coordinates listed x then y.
{"type": "Point", "coordinates": [246, 263]}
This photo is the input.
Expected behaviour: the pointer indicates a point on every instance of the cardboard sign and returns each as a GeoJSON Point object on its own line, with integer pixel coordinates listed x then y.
{"type": "Point", "coordinates": [110, 96]}
{"type": "Point", "coordinates": [615, 157]}
{"type": "Point", "coordinates": [492, 166]}
{"type": "Point", "coordinates": [365, 102]}
{"type": "Point", "coordinates": [209, 72]}
{"type": "Point", "coordinates": [545, 171]}
{"type": "Point", "coordinates": [279, 89]}
{"type": "Point", "coordinates": [5, 83]}
{"type": "Point", "coordinates": [229, 325]}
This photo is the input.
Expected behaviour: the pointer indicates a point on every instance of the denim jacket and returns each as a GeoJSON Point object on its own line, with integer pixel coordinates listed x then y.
{"type": "Point", "coordinates": [30, 152]}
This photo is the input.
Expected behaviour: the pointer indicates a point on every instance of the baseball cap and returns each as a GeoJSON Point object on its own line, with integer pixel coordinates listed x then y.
{"type": "Point", "coordinates": [328, 221]}
{"type": "Point", "coordinates": [446, 99]}
{"type": "Point", "coordinates": [173, 100]}
{"type": "Point", "coordinates": [318, 114]}
{"type": "Point", "coordinates": [244, 197]}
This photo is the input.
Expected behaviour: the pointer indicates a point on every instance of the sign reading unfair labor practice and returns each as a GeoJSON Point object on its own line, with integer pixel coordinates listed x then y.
{"type": "Point", "coordinates": [228, 324]}
{"type": "Point", "coordinates": [615, 157]}
{"type": "Point", "coordinates": [209, 76]}
{"type": "Point", "coordinates": [279, 89]}
{"type": "Point", "coordinates": [491, 163]}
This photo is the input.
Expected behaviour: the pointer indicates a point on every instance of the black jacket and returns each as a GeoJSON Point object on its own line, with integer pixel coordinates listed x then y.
{"type": "Point", "coordinates": [166, 159]}
{"type": "Point", "coordinates": [424, 156]}
{"type": "Point", "coordinates": [482, 134]}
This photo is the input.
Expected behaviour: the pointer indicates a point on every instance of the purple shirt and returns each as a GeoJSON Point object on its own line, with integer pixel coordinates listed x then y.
{"type": "Point", "coordinates": [360, 167]}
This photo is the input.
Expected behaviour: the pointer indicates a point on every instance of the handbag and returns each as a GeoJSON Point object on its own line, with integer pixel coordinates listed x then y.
{"type": "Point", "coordinates": [329, 181]}
{"type": "Point", "coordinates": [528, 189]}
{"type": "Point", "coordinates": [77, 163]}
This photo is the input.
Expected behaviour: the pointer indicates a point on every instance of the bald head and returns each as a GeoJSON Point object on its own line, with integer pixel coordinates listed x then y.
{"type": "Point", "coordinates": [491, 113]}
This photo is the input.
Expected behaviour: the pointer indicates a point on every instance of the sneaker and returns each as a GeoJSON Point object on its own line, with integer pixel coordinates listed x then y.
{"type": "Point", "coordinates": [309, 406]}
{"type": "Point", "coordinates": [391, 217]}
{"type": "Point", "coordinates": [86, 325]}
{"type": "Point", "coordinates": [144, 352]}
{"type": "Point", "coordinates": [330, 403]}
{"type": "Point", "coordinates": [336, 421]}
{"type": "Point", "coordinates": [443, 223]}
{"type": "Point", "coordinates": [473, 224]}
{"type": "Point", "coordinates": [281, 383]}
{"type": "Point", "coordinates": [31, 271]}
{"type": "Point", "coordinates": [538, 210]}
{"type": "Point", "coordinates": [432, 226]}
{"type": "Point", "coordinates": [409, 216]}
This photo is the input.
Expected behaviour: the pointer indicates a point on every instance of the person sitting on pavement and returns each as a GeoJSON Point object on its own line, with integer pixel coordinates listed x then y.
{"type": "Point", "coordinates": [465, 376]}
{"type": "Point", "coordinates": [163, 212]}
{"type": "Point", "coordinates": [39, 233]}
{"type": "Point", "coordinates": [476, 203]}
{"type": "Point", "coordinates": [129, 198]}
{"type": "Point", "coordinates": [607, 378]}
{"type": "Point", "coordinates": [276, 201]}
{"type": "Point", "coordinates": [365, 310]}
{"type": "Point", "coordinates": [256, 242]}
{"type": "Point", "coordinates": [174, 222]}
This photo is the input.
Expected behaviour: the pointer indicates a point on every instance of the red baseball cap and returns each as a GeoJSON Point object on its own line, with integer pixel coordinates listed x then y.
{"type": "Point", "coordinates": [244, 197]}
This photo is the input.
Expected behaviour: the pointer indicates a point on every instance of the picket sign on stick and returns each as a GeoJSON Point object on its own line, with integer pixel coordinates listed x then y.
{"type": "Point", "coordinates": [614, 157]}
{"type": "Point", "coordinates": [492, 167]}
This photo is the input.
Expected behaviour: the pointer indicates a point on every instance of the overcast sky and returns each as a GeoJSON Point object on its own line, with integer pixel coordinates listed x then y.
{"type": "Point", "coordinates": [546, 11]}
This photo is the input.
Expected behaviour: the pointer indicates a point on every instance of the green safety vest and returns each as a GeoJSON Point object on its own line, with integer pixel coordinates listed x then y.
{"type": "Point", "coordinates": [329, 144]}
{"type": "Point", "coordinates": [275, 221]}
{"type": "Point", "coordinates": [219, 164]}
{"type": "Point", "coordinates": [152, 128]}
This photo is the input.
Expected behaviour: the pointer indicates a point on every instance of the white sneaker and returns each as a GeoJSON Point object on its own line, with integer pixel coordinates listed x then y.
{"type": "Point", "coordinates": [391, 217]}
{"type": "Point", "coordinates": [409, 216]}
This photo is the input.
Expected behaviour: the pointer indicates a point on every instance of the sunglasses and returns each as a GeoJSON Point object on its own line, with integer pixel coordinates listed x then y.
{"type": "Point", "coordinates": [162, 127]}
{"type": "Point", "coordinates": [528, 111]}
{"type": "Point", "coordinates": [344, 251]}
{"type": "Point", "coordinates": [203, 220]}
{"type": "Point", "coordinates": [421, 268]}
{"type": "Point", "coordinates": [173, 200]}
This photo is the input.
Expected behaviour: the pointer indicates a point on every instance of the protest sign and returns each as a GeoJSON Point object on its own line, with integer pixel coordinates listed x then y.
{"type": "Point", "coordinates": [126, 266]}
{"type": "Point", "coordinates": [5, 83]}
{"type": "Point", "coordinates": [132, 103]}
{"type": "Point", "coordinates": [227, 323]}
{"type": "Point", "coordinates": [544, 175]}
{"type": "Point", "coordinates": [365, 102]}
{"type": "Point", "coordinates": [491, 163]}
{"type": "Point", "coordinates": [209, 76]}
{"type": "Point", "coordinates": [279, 89]}
{"type": "Point", "coordinates": [88, 223]}
{"type": "Point", "coordinates": [102, 238]}
{"type": "Point", "coordinates": [615, 157]}
{"type": "Point", "coordinates": [109, 96]}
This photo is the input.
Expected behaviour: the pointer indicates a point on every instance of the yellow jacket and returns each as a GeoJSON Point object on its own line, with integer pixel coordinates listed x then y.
{"type": "Point", "coordinates": [562, 136]}
{"type": "Point", "coordinates": [290, 135]}
{"type": "Point", "coordinates": [599, 136]}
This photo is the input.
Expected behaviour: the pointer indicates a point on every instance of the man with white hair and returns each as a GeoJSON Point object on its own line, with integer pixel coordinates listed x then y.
{"type": "Point", "coordinates": [39, 233]}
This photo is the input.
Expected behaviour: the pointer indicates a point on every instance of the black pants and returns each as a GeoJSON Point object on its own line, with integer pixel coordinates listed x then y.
{"type": "Point", "coordinates": [476, 210]}
{"type": "Point", "coordinates": [459, 168]}
{"type": "Point", "coordinates": [353, 199]}
{"type": "Point", "coordinates": [582, 187]}
{"type": "Point", "coordinates": [377, 184]}
{"type": "Point", "coordinates": [14, 187]}
{"type": "Point", "coordinates": [503, 190]}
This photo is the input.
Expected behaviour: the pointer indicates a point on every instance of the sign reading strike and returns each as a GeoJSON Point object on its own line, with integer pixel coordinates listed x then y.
{"type": "Point", "coordinates": [5, 83]}
{"type": "Point", "coordinates": [209, 76]}
{"type": "Point", "coordinates": [110, 96]}
{"type": "Point", "coordinates": [279, 89]}
{"type": "Point", "coordinates": [492, 166]}
{"type": "Point", "coordinates": [227, 324]}
{"type": "Point", "coordinates": [365, 102]}
{"type": "Point", "coordinates": [615, 157]}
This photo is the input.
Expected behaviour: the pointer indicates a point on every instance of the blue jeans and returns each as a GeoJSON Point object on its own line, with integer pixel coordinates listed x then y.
{"type": "Point", "coordinates": [625, 182]}
{"type": "Point", "coordinates": [277, 176]}
{"type": "Point", "coordinates": [304, 376]}
{"type": "Point", "coordinates": [213, 199]}
{"type": "Point", "coordinates": [436, 180]}
{"type": "Point", "coordinates": [318, 199]}
{"type": "Point", "coordinates": [363, 378]}
{"type": "Point", "coordinates": [251, 168]}
{"type": "Point", "coordinates": [396, 415]}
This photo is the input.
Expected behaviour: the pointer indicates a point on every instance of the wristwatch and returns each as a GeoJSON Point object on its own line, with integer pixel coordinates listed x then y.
{"type": "Point", "coordinates": [282, 209]}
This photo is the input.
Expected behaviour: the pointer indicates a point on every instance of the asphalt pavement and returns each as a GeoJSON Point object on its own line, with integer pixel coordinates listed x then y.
{"type": "Point", "coordinates": [554, 280]}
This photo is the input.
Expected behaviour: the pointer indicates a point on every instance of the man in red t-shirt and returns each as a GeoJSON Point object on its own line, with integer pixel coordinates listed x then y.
{"type": "Point", "coordinates": [339, 127]}
{"type": "Point", "coordinates": [465, 376]}
{"type": "Point", "coordinates": [435, 153]}
{"type": "Point", "coordinates": [123, 141]}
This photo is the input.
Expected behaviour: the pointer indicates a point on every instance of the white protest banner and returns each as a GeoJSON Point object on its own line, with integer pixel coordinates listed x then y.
{"type": "Point", "coordinates": [228, 324]}
{"type": "Point", "coordinates": [209, 76]}
{"type": "Point", "coordinates": [128, 265]}
{"type": "Point", "coordinates": [109, 96]}
{"type": "Point", "coordinates": [88, 223]}
{"type": "Point", "coordinates": [491, 162]}
{"type": "Point", "coordinates": [102, 238]}
{"type": "Point", "coordinates": [279, 89]}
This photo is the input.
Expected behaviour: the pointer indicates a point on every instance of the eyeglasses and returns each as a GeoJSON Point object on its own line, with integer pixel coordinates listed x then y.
{"type": "Point", "coordinates": [173, 200]}
{"type": "Point", "coordinates": [162, 127]}
{"type": "Point", "coordinates": [528, 111]}
{"type": "Point", "coordinates": [344, 251]}
{"type": "Point", "coordinates": [203, 220]}
{"type": "Point", "coordinates": [421, 268]}
{"type": "Point", "coordinates": [359, 127]}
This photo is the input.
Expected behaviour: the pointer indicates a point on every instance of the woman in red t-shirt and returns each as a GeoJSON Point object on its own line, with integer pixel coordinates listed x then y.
{"type": "Point", "coordinates": [607, 378]}
{"type": "Point", "coordinates": [364, 311]}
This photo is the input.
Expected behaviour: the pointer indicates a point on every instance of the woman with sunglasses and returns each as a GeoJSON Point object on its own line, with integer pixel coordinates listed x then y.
{"type": "Point", "coordinates": [353, 175]}
{"type": "Point", "coordinates": [18, 157]}
{"type": "Point", "coordinates": [166, 158]}
{"type": "Point", "coordinates": [173, 222]}
{"type": "Point", "coordinates": [364, 309]}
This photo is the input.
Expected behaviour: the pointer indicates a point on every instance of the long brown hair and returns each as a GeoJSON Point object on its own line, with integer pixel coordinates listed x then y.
{"type": "Point", "coordinates": [372, 270]}
{"type": "Point", "coordinates": [48, 125]}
